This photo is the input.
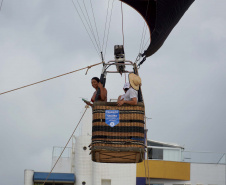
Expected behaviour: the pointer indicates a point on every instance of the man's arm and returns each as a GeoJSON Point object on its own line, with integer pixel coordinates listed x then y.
{"type": "Point", "coordinates": [103, 92]}
{"type": "Point", "coordinates": [119, 98]}
{"type": "Point", "coordinates": [133, 101]}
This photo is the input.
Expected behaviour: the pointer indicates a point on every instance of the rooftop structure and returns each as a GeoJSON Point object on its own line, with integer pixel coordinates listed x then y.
{"type": "Point", "coordinates": [167, 164]}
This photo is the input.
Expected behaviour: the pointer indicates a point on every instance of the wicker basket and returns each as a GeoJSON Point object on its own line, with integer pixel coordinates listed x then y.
{"type": "Point", "coordinates": [123, 143]}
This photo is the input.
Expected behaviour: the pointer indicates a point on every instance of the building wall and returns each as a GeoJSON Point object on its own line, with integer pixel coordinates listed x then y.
{"type": "Point", "coordinates": [208, 174]}
{"type": "Point", "coordinates": [94, 173]}
{"type": "Point", "coordinates": [132, 174]}
{"type": "Point", "coordinates": [164, 169]}
{"type": "Point", "coordinates": [202, 174]}
{"type": "Point", "coordinates": [119, 174]}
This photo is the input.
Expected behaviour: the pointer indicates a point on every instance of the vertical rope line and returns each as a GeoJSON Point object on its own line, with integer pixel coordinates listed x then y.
{"type": "Point", "coordinates": [145, 170]}
{"type": "Point", "coordinates": [105, 26]}
{"type": "Point", "coordinates": [85, 28]}
{"type": "Point", "coordinates": [109, 24]}
{"type": "Point", "coordinates": [146, 143]}
{"type": "Point", "coordinates": [95, 23]}
{"type": "Point", "coordinates": [122, 25]}
{"type": "Point", "coordinates": [144, 27]}
{"type": "Point", "coordinates": [108, 29]}
{"type": "Point", "coordinates": [90, 25]}
{"type": "Point", "coordinates": [149, 39]}
{"type": "Point", "coordinates": [65, 145]}
{"type": "Point", "coordinates": [142, 48]}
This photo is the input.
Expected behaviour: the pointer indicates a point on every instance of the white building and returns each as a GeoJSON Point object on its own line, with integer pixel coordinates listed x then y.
{"type": "Point", "coordinates": [168, 164]}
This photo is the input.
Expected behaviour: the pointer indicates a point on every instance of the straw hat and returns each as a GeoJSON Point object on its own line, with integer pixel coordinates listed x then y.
{"type": "Point", "coordinates": [134, 81]}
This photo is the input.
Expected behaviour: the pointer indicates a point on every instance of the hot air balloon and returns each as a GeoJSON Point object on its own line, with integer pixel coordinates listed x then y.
{"type": "Point", "coordinates": [123, 141]}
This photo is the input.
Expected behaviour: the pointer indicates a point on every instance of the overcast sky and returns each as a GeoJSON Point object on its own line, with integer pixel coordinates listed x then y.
{"type": "Point", "coordinates": [183, 83]}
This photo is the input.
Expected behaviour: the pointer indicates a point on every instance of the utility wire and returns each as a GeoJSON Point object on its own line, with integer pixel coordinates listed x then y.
{"type": "Point", "coordinates": [66, 145]}
{"type": "Point", "coordinates": [86, 29]}
{"type": "Point", "coordinates": [88, 67]}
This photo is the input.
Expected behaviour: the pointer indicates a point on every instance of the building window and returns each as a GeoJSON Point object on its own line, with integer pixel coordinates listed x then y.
{"type": "Point", "coordinates": [155, 153]}
{"type": "Point", "coordinates": [105, 182]}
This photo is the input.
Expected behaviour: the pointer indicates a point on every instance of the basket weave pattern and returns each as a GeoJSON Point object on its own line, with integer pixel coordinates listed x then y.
{"type": "Point", "coordinates": [127, 136]}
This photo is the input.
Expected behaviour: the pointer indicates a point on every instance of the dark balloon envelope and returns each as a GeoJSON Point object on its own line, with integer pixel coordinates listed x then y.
{"type": "Point", "coordinates": [161, 17]}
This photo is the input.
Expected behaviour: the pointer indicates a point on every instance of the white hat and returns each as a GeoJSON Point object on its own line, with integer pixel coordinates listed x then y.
{"type": "Point", "coordinates": [134, 81]}
{"type": "Point", "coordinates": [126, 85]}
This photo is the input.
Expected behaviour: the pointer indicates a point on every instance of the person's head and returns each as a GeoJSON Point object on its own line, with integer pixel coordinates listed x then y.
{"type": "Point", "coordinates": [126, 86]}
{"type": "Point", "coordinates": [135, 81]}
{"type": "Point", "coordinates": [94, 82]}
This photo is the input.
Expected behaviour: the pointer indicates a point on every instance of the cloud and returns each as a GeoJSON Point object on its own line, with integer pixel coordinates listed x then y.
{"type": "Point", "coordinates": [183, 83]}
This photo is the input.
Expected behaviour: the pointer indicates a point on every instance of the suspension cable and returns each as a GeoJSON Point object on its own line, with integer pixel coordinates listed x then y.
{"type": "Point", "coordinates": [66, 145]}
{"type": "Point", "coordinates": [95, 23]}
{"type": "Point", "coordinates": [143, 46]}
{"type": "Point", "coordinates": [144, 26]}
{"type": "Point", "coordinates": [86, 28]}
{"type": "Point", "coordinates": [108, 28]}
{"type": "Point", "coordinates": [142, 37]}
{"type": "Point", "coordinates": [146, 143]}
{"type": "Point", "coordinates": [122, 26]}
{"type": "Point", "coordinates": [149, 39]}
{"type": "Point", "coordinates": [90, 26]}
{"type": "Point", "coordinates": [88, 67]}
{"type": "Point", "coordinates": [105, 26]}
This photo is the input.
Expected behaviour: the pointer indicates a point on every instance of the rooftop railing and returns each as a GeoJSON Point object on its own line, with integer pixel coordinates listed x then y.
{"type": "Point", "coordinates": [58, 150]}
{"type": "Point", "coordinates": [204, 157]}
{"type": "Point", "coordinates": [177, 154]}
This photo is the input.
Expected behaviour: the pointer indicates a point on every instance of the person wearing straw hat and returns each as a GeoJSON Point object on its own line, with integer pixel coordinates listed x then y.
{"type": "Point", "coordinates": [131, 96]}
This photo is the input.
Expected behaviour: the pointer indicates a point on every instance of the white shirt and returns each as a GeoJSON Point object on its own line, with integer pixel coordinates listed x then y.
{"type": "Point", "coordinates": [131, 93]}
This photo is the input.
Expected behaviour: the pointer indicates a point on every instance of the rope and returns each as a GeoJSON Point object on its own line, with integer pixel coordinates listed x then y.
{"type": "Point", "coordinates": [108, 28]}
{"type": "Point", "coordinates": [65, 145]}
{"type": "Point", "coordinates": [122, 25]}
{"type": "Point", "coordinates": [149, 39]}
{"type": "Point", "coordinates": [85, 28]}
{"type": "Point", "coordinates": [52, 78]}
{"type": "Point", "coordinates": [147, 177]}
{"type": "Point", "coordinates": [142, 37]}
{"type": "Point", "coordinates": [90, 25]}
{"type": "Point", "coordinates": [95, 22]}
{"type": "Point", "coordinates": [145, 170]}
{"type": "Point", "coordinates": [105, 26]}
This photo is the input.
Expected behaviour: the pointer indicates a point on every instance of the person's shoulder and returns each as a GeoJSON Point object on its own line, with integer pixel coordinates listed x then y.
{"type": "Point", "coordinates": [132, 89]}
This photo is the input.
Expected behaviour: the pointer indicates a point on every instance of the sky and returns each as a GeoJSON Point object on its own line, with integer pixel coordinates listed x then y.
{"type": "Point", "coordinates": [183, 84]}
